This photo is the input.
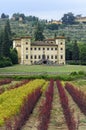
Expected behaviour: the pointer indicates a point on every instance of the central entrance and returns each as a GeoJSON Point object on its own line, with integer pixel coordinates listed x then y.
{"type": "Point", "coordinates": [44, 61]}
{"type": "Point", "coordinates": [43, 57]}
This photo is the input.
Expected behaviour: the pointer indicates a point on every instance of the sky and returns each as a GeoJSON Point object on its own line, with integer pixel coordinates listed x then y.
{"type": "Point", "coordinates": [44, 9]}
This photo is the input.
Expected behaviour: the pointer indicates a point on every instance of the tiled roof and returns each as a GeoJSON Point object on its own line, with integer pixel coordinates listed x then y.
{"type": "Point", "coordinates": [50, 39]}
{"type": "Point", "coordinates": [23, 37]}
{"type": "Point", "coordinates": [60, 37]}
{"type": "Point", "coordinates": [42, 43]}
{"type": "Point", "coordinates": [17, 39]}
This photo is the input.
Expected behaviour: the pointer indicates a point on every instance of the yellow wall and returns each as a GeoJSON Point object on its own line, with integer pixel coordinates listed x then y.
{"type": "Point", "coordinates": [28, 54]}
{"type": "Point", "coordinates": [47, 53]}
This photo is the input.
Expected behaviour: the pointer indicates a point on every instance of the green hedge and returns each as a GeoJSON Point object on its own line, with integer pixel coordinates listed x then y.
{"type": "Point", "coordinates": [65, 77]}
{"type": "Point", "coordinates": [5, 62]}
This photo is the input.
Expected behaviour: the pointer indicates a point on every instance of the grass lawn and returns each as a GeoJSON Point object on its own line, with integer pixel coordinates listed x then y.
{"type": "Point", "coordinates": [42, 68]}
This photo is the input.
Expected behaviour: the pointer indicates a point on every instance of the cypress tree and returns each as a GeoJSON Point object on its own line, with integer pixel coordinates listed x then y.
{"type": "Point", "coordinates": [7, 40]}
{"type": "Point", "coordinates": [1, 44]}
{"type": "Point", "coordinates": [83, 54]}
{"type": "Point", "coordinates": [38, 35]}
{"type": "Point", "coordinates": [75, 51]}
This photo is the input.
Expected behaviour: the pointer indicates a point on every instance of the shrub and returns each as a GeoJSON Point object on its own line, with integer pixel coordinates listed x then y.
{"type": "Point", "coordinates": [14, 56]}
{"type": "Point", "coordinates": [73, 73]}
{"type": "Point", "coordinates": [5, 61]}
{"type": "Point", "coordinates": [66, 108]}
{"type": "Point", "coordinates": [81, 72]}
{"type": "Point", "coordinates": [78, 96]}
{"type": "Point", "coordinates": [46, 107]}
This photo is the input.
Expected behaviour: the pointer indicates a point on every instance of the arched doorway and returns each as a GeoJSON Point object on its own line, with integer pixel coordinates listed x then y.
{"type": "Point", "coordinates": [44, 61]}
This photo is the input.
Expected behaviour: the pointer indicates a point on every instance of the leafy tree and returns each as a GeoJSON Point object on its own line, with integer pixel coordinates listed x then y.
{"type": "Point", "coordinates": [14, 56]}
{"type": "Point", "coordinates": [4, 16]}
{"type": "Point", "coordinates": [5, 61]}
{"type": "Point", "coordinates": [68, 18]}
{"type": "Point", "coordinates": [83, 54]}
{"type": "Point", "coordinates": [31, 18]}
{"type": "Point", "coordinates": [55, 35]}
{"type": "Point", "coordinates": [75, 51]}
{"type": "Point", "coordinates": [1, 44]}
{"type": "Point", "coordinates": [52, 26]}
{"type": "Point", "coordinates": [38, 34]}
{"type": "Point", "coordinates": [23, 16]}
{"type": "Point", "coordinates": [69, 47]}
{"type": "Point", "coordinates": [16, 16]}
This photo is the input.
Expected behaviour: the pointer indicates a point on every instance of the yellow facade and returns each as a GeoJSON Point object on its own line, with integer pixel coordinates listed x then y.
{"type": "Point", "coordinates": [81, 19]}
{"type": "Point", "coordinates": [50, 51]}
{"type": "Point", "coordinates": [55, 22]}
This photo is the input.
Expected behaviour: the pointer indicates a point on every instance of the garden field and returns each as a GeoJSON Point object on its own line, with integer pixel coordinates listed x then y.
{"type": "Point", "coordinates": [42, 104]}
{"type": "Point", "coordinates": [34, 69]}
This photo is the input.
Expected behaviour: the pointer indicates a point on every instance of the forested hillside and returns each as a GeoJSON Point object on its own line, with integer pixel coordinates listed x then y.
{"type": "Point", "coordinates": [21, 25]}
{"type": "Point", "coordinates": [25, 25]}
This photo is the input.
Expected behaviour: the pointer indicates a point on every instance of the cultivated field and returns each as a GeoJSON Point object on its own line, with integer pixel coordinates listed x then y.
{"type": "Point", "coordinates": [39, 104]}
{"type": "Point", "coordinates": [34, 69]}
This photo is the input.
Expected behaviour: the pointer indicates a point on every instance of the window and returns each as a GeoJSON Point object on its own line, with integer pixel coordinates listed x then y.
{"type": "Point", "coordinates": [55, 48]}
{"type": "Point", "coordinates": [39, 57]}
{"type": "Point", "coordinates": [31, 57]}
{"type": "Point", "coordinates": [26, 56]}
{"type": "Point", "coordinates": [31, 61]}
{"type": "Point", "coordinates": [52, 57]}
{"type": "Point", "coordinates": [61, 48]}
{"type": "Point", "coordinates": [35, 57]}
{"type": "Point", "coordinates": [47, 56]}
{"type": "Point", "coordinates": [39, 48]}
{"type": "Point", "coordinates": [47, 48]}
{"type": "Point", "coordinates": [61, 43]}
{"type": "Point", "coordinates": [31, 48]}
{"type": "Point", "coordinates": [34, 48]}
{"type": "Point", "coordinates": [43, 48]}
{"type": "Point", "coordinates": [26, 43]}
{"type": "Point", "coordinates": [51, 48]}
{"type": "Point", "coordinates": [61, 56]}
{"type": "Point", "coordinates": [26, 48]}
{"type": "Point", "coordinates": [55, 57]}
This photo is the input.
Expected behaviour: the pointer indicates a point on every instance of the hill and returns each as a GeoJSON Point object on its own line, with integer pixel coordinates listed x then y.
{"type": "Point", "coordinates": [23, 28]}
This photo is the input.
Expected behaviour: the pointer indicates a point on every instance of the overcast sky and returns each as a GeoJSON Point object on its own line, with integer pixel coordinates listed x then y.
{"type": "Point", "coordinates": [45, 9]}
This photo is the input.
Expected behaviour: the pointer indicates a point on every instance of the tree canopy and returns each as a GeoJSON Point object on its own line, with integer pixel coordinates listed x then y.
{"type": "Point", "coordinates": [7, 55]}
{"type": "Point", "coordinates": [75, 51]}
{"type": "Point", "coordinates": [7, 40]}
{"type": "Point", "coordinates": [52, 26]}
{"type": "Point", "coordinates": [3, 15]}
{"type": "Point", "coordinates": [38, 34]}
{"type": "Point", "coordinates": [83, 54]}
{"type": "Point", "coordinates": [68, 18]}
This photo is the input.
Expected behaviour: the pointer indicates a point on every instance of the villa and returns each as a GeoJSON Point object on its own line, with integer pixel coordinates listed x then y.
{"type": "Point", "coordinates": [49, 51]}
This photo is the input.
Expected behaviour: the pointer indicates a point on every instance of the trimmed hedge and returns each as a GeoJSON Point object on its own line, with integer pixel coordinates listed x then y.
{"type": "Point", "coordinates": [5, 62]}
